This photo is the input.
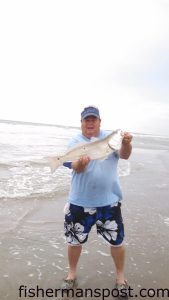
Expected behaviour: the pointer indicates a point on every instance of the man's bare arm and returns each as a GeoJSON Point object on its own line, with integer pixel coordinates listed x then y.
{"type": "Point", "coordinates": [126, 147]}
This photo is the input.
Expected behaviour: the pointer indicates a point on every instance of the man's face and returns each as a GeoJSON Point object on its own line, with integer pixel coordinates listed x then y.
{"type": "Point", "coordinates": [90, 126]}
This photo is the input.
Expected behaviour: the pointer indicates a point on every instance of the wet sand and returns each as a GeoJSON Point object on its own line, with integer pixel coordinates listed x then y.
{"type": "Point", "coordinates": [34, 251]}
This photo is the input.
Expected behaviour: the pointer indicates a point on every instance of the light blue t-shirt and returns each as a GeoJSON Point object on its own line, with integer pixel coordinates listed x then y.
{"type": "Point", "coordinates": [98, 185]}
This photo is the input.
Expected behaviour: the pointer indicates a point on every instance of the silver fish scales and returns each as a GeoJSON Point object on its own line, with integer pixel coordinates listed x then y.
{"type": "Point", "coordinates": [95, 149]}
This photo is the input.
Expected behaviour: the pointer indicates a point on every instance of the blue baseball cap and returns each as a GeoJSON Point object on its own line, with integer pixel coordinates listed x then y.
{"type": "Point", "coordinates": [90, 111]}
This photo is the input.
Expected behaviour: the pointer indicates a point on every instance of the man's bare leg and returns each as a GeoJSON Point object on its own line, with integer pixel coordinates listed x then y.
{"type": "Point", "coordinates": [118, 255]}
{"type": "Point", "coordinates": [73, 257]}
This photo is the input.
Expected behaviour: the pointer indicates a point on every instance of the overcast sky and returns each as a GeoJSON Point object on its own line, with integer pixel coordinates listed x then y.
{"type": "Point", "coordinates": [58, 56]}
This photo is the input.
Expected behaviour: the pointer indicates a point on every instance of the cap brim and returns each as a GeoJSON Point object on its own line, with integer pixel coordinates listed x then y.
{"type": "Point", "coordinates": [91, 114]}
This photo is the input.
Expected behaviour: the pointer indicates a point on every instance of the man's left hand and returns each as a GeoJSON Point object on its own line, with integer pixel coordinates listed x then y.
{"type": "Point", "coordinates": [127, 138]}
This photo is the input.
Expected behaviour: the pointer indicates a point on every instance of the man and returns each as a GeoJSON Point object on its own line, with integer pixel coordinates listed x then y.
{"type": "Point", "coordinates": [95, 198]}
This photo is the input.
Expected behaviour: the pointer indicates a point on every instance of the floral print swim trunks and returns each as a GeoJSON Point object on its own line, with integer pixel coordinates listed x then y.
{"type": "Point", "coordinates": [108, 221]}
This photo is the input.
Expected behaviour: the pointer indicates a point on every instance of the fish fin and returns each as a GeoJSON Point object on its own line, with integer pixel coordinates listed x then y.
{"type": "Point", "coordinates": [76, 147]}
{"type": "Point", "coordinates": [54, 162]}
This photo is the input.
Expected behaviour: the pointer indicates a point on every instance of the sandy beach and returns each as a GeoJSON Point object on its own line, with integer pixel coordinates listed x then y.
{"type": "Point", "coordinates": [33, 253]}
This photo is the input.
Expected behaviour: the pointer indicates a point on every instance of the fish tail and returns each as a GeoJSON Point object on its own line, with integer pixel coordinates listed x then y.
{"type": "Point", "coordinates": [54, 163]}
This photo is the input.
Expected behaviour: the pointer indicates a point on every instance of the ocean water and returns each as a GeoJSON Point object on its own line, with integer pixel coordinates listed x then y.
{"type": "Point", "coordinates": [24, 169]}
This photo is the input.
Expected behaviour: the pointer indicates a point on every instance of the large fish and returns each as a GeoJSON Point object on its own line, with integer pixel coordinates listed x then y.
{"type": "Point", "coordinates": [95, 149]}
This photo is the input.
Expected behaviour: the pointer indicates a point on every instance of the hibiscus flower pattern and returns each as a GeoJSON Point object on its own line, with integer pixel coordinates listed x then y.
{"type": "Point", "coordinates": [79, 221]}
{"type": "Point", "coordinates": [75, 233]}
{"type": "Point", "coordinates": [107, 230]}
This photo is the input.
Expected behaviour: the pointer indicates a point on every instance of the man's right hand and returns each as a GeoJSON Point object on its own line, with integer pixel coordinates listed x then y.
{"type": "Point", "coordinates": [79, 165]}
